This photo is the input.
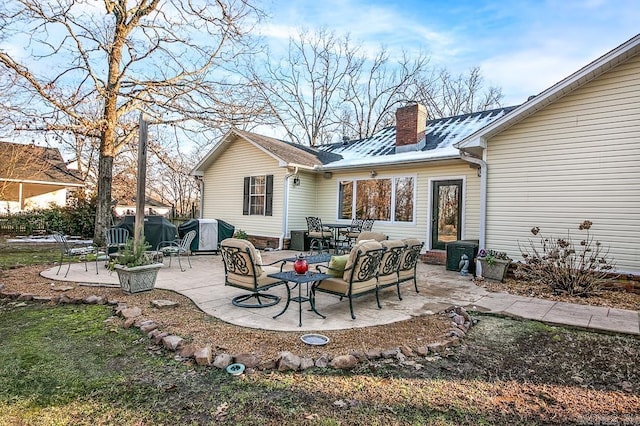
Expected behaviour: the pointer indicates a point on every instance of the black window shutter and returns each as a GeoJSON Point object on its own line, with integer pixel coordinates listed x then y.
{"type": "Point", "coordinates": [245, 199]}
{"type": "Point", "coordinates": [268, 209]}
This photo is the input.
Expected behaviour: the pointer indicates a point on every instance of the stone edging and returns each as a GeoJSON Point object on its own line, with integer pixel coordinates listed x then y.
{"type": "Point", "coordinates": [461, 322]}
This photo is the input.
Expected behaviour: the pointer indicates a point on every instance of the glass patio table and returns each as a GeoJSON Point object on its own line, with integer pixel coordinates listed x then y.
{"type": "Point", "coordinates": [299, 279]}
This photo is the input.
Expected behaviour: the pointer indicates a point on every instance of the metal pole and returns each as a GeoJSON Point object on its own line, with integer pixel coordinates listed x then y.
{"type": "Point", "coordinates": [142, 177]}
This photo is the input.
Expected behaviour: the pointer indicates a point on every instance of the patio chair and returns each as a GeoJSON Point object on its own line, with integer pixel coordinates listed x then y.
{"type": "Point", "coordinates": [243, 269]}
{"type": "Point", "coordinates": [368, 235]}
{"type": "Point", "coordinates": [390, 264]}
{"type": "Point", "coordinates": [71, 253]}
{"type": "Point", "coordinates": [351, 233]}
{"type": "Point", "coordinates": [179, 248]}
{"type": "Point", "coordinates": [114, 240]}
{"type": "Point", "coordinates": [318, 234]}
{"type": "Point", "coordinates": [409, 261]}
{"type": "Point", "coordinates": [367, 224]}
{"type": "Point", "coordinates": [358, 277]}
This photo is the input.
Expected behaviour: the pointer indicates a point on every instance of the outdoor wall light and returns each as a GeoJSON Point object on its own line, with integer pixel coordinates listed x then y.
{"type": "Point", "coordinates": [373, 173]}
{"type": "Point", "coordinates": [328, 175]}
{"type": "Point", "coordinates": [296, 181]}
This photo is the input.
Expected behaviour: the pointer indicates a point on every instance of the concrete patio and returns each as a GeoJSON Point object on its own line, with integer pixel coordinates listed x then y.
{"type": "Point", "coordinates": [439, 289]}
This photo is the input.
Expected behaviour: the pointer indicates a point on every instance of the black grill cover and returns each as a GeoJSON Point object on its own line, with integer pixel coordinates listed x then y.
{"type": "Point", "coordinates": [156, 229]}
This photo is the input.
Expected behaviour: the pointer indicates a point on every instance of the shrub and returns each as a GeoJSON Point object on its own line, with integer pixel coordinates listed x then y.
{"type": "Point", "coordinates": [240, 234]}
{"type": "Point", "coordinates": [557, 263]}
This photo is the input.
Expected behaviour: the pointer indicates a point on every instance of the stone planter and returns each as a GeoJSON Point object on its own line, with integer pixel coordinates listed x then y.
{"type": "Point", "coordinates": [496, 271]}
{"type": "Point", "coordinates": [137, 278]}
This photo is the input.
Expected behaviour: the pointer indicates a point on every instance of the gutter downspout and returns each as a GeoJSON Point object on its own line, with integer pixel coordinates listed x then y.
{"type": "Point", "coordinates": [285, 208]}
{"type": "Point", "coordinates": [201, 187]}
{"type": "Point", "coordinates": [483, 197]}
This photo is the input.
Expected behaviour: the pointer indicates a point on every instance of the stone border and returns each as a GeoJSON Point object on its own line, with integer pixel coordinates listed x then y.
{"type": "Point", "coordinates": [461, 322]}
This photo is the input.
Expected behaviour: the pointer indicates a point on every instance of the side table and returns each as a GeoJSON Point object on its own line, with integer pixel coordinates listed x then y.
{"type": "Point", "coordinates": [299, 279]}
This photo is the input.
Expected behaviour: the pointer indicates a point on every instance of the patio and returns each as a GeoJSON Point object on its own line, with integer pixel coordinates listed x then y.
{"type": "Point", "coordinates": [439, 289]}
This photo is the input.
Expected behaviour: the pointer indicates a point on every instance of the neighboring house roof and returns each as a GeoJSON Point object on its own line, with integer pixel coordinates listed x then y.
{"type": "Point", "coordinates": [148, 201]}
{"type": "Point", "coordinates": [287, 153]}
{"type": "Point", "coordinates": [578, 79]}
{"type": "Point", "coordinates": [36, 164]}
{"type": "Point", "coordinates": [440, 136]}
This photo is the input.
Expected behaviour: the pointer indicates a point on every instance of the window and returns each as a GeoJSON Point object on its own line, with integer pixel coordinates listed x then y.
{"type": "Point", "coordinates": [258, 195]}
{"type": "Point", "coordinates": [387, 199]}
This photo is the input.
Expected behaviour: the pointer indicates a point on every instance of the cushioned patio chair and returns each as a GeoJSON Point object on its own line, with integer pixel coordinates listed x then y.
{"type": "Point", "coordinates": [409, 261]}
{"type": "Point", "coordinates": [179, 248]}
{"type": "Point", "coordinates": [358, 277]}
{"type": "Point", "coordinates": [367, 224]}
{"type": "Point", "coordinates": [369, 235]}
{"type": "Point", "coordinates": [390, 264]}
{"type": "Point", "coordinates": [243, 269]}
{"type": "Point", "coordinates": [351, 233]}
{"type": "Point", "coordinates": [319, 235]}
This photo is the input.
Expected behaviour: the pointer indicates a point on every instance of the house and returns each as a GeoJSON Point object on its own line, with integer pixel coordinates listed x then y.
{"type": "Point", "coordinates": [126, 206]}
{"type": "Point", "coordinates": [570, 154]}
{"type": "Point", "coordinates": [267, 187]}
{"type": "Point", "coordinates": [33, 177]}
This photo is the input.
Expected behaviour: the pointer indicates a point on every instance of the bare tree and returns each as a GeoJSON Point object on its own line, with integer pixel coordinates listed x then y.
{"type": "Point", "coordinates": [326, 88]}
{"type": "Point", "coordinates": [89, 68]}
{"type": "Point", "coordinates": [305, 89]}
{"type": "Point", "coordinates": [447, 96]}
{"type": "Point", "coordinates": [377, 89]}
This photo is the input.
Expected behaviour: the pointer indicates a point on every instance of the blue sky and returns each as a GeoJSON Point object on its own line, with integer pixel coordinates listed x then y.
{"type": "Point", "coordinates": [522, 46]}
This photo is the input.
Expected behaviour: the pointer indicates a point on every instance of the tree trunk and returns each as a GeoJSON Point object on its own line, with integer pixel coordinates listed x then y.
{"type": "Point", "coordinates": [103, 204]}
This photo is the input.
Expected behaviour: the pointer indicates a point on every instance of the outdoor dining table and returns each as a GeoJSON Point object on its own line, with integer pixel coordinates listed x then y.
{"type": "Point", "coordinates": [335, 228]}
{"type": "Point", "coordinates": [299, 279]}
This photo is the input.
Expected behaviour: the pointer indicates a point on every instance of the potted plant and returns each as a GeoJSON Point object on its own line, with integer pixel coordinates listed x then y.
{"type": "Point", "coordinates": [136, 267]}
{"type": "Point", "coordinates": [494, 264]}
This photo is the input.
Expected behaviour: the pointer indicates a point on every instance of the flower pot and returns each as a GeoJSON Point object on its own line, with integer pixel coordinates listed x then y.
{"type": "Point", "coordinates": [137, 278]}
{"type": "Point", "coordinates": [496, 271]}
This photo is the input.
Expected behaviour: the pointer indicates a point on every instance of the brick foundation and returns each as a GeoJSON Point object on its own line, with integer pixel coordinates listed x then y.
{"type": "Point", "coordinates": [262, 243]}
{"type": "Point", "coordinates": [434, 257]}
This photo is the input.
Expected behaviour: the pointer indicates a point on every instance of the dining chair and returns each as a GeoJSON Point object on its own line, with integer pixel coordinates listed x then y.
{"type": "Point", "coordinates": [367, 224]}
{"type": "Point", "coordinates": [318, 234]}
{"type": "Point", "coordinates": [71, 253]}
{"type": "Point", "coordinates": [351, 233]}
{"type": "Point", "coordinates": [179, 248]}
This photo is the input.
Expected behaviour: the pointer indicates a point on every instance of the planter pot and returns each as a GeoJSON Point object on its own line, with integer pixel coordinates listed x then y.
{"type": "Point", "coordinates": [497, 271]}
{"type": "Point", "coordinates": [138, 278]}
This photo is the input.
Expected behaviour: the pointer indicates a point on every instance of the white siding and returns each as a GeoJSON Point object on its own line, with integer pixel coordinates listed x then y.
{"type": "Point", "coordinates": [302, 200]}
{"type": "Point", "coordinates": [224, 187]}
{"type": "Point", "coordinates": [578, 159]}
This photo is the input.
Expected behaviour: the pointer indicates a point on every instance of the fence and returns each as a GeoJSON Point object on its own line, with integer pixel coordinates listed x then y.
{"type": "Point", "coordinates": [22, 223]}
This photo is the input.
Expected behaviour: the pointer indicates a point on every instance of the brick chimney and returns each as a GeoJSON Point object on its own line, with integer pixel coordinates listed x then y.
{"type": "Point", "coordinates": [411, 124]}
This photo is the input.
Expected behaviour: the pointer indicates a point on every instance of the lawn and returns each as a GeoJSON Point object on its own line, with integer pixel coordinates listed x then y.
{"type": "Point", "coordinates": [75, 364]}
{"type": "Point", "coordinates": [14, 255]}
{"type": "Point", "coordinates": [71, 365]}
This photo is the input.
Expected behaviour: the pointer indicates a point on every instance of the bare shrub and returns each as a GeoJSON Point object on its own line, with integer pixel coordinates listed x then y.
{"type": "Point", "coordinates": [563, 266]}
